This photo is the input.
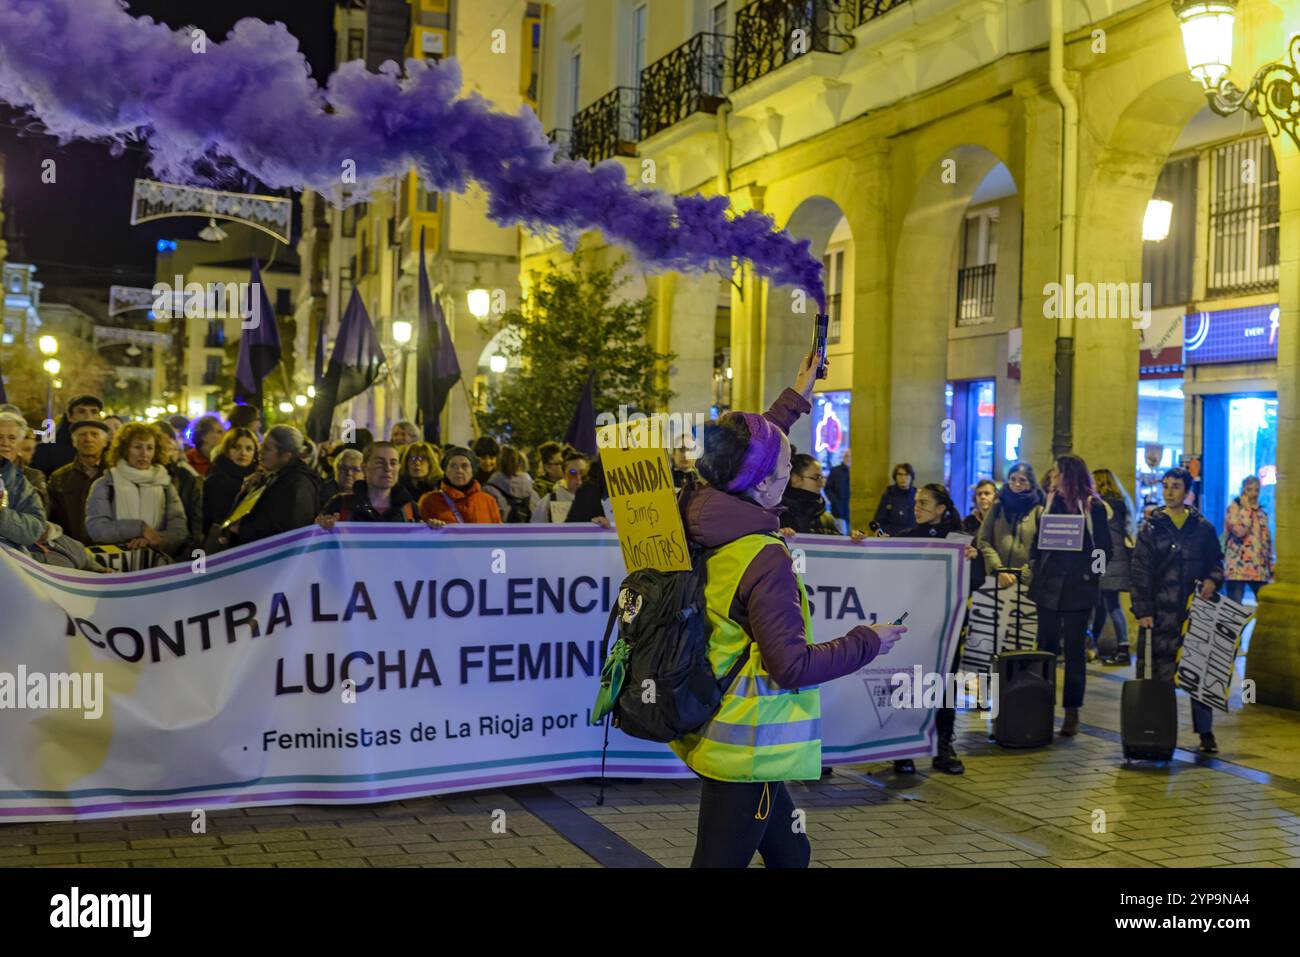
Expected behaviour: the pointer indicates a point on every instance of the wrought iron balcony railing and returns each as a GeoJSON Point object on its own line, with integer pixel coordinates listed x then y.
{"type": "Point", "coordinates": [772, 33]}
{"type": "Point", "coordinates": [693, 78]}
{"type": "Point", "coordinates": [975, 286]}
{"type": "Point", "coordinates": [608, 127]}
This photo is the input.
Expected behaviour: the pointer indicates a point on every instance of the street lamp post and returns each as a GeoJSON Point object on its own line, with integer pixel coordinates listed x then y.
{"type": "Point", "coordinates": [402, 331]}
{"type": "Point", "coordinates": [1274, 92]}
{"type": "Point", "coordinates": [49, 347]}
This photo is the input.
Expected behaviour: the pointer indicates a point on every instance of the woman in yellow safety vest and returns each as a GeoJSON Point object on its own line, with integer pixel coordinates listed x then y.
{"type": "Point", "coordinates": [767, 729]}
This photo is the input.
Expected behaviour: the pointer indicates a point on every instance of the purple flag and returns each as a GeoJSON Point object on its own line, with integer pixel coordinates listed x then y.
{"type": "Point", "coordinates": [581, 433]}
{"type": "Point", "coordinates": [353, 367]}
{"type": "Point", "coordinates": [436, 367]}
{"type": "Point", "coordinates": [259, 346]}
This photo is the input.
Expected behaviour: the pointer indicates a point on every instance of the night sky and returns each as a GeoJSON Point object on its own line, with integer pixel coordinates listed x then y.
{"type": "Point", "coordinates": [78, 229]}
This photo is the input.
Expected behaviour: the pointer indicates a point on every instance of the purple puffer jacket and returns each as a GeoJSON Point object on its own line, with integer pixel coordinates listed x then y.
{"type": "Point", "coordinates": [767, 605]}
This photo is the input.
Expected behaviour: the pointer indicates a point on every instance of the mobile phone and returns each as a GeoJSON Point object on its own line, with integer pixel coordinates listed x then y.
{"type": "Point", "coordinates": [900, 619]}
{"type": "Point", "coordinates": [821, 330]}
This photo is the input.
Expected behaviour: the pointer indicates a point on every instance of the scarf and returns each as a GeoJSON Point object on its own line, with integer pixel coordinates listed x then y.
{"type": "Point", "coordinates": [140, 494]}
{"type": "Point", "coordinates": [1016, 505]}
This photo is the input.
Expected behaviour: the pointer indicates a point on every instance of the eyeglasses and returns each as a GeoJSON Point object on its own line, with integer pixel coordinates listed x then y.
{"type": "Point", "coordinates": [1018, 480]}
{"type": "Point", "coordinates": [417, 458]}
{"type": "Point", "coordinates": [819, 477]}
{"type": "Point", "coordinates": [575, 471]}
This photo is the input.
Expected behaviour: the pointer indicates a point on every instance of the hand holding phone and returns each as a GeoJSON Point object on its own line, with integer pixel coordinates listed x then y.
{"type": "Point", "coordinates": [889, 635]}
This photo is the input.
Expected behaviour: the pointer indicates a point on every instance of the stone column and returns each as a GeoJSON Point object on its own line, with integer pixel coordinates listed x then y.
{"type": "Point", "coordinates": [1040, 185]}
{"type": "Point", "coordinates": [1273, 662]}
{"type": "Point", "coordinates": [870, 414]}
{"type": "Point", "coordinates": [747, 319]}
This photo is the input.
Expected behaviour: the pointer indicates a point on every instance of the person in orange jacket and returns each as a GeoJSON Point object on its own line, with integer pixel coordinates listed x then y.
{"type": "Point", "coordinates": [459, 499]}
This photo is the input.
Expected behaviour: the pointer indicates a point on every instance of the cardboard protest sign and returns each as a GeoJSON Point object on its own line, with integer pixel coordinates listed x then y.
{"type": "Point", "coordinates": [1001, 620]}
{"type": "Point", "coordinates": [642, 497]}
{"type": "Point", "coordinates": [1208, 654]}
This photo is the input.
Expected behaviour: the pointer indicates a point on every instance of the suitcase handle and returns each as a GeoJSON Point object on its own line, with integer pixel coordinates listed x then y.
{"type": "Point", "coordinates": [1144, 646]}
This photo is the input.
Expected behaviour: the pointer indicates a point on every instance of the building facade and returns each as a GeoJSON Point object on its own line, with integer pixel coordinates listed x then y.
{"type": "Point", "coordinates": [372, 243]}
{"type": "Point", "coordinates": [199, 343]}
{"type": "Point", "coordinates": [985, 171]}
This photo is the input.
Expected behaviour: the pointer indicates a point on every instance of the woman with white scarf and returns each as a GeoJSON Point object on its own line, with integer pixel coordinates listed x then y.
{"type": "Point", "coordinates": [134, 504]}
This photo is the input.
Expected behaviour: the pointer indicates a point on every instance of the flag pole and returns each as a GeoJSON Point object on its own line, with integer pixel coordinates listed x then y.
{"type": "Point", "coordinates": [469, 402]}
{"type": "Point", "coordinates": [288, 394]}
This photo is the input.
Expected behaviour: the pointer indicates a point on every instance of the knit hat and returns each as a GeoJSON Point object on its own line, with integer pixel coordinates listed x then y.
{"type": "Point", "coordinates": [89, 424]}
{"type": "Point", "coordinates": [453, 450]}
{"type": "Point", "coordinates": [86, 399]}
{"type": "Point", "coordinates": [760, 456]}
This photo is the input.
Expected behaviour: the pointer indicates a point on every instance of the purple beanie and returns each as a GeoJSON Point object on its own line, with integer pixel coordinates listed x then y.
{"type": "Point", "coordinates": [760, 456]}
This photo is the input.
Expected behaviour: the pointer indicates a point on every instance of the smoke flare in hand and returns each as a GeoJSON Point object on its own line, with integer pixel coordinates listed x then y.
{"type": "Point", "coordinates": [87, 69]}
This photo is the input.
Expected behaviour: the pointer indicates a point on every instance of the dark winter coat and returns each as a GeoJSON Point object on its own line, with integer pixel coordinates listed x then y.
{"type": "Point", "coordinates": [806, 513]}
{"type": "Point", "coordinates": [190, 488]}
{"type": "Point", "coordinates": [54, 455]}
{"type": "Point", "coordinates": [1065, 581]}
{"type": "Point", "coordinates": [291, 500]}
{"type": "Point", "coordinates": [416, 488]}
{"type": "Point", "coordinates": [837, 491]}
{"type": "Point", "coordinates": [355, 506]}
{"type": "Point", "coordinates": [767, 602]}
{"type": "Point", "coordinates": [1167, 563]}
{"type": "Point", "coordinates": [589, 499]}
{"type": "Point", "coordinates": [1119, 566]}
{"type": "Point", "coordinates": [221, 488]}
{"type": "Point", "coordinates": [896, 512]}
{"type": "Point", "coordinates": [69, 488]}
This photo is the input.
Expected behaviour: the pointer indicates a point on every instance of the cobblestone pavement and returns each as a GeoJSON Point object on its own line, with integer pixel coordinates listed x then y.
{"type": "Point", "coordinates": [1071, 805]}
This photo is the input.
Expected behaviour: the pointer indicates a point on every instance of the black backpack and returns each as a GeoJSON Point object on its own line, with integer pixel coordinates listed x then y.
{"type": "Point", "coordinates": [668, 688]}
{"type": "Point", "coordinates": [518, 511]}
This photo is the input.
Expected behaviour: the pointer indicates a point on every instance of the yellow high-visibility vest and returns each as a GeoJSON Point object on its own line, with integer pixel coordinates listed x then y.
{"type": "Point", "coordinates": [761, 732]}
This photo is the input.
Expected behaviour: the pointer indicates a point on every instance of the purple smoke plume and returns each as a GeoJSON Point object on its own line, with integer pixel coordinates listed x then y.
{"type": "Point", "coordinates": [88, 69]}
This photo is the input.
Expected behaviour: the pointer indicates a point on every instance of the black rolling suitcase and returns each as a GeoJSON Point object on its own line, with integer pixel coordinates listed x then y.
{"type": "Point", "coordinates": [1026, 693]}
{"type": "Point", "coordinates": [1148, 711]}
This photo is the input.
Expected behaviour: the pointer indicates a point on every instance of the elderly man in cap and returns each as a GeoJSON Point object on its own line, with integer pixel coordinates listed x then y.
{"type": "Point", "coordinates": [52, 455]}
{"type": "Point", "coordinates": [70, 484]}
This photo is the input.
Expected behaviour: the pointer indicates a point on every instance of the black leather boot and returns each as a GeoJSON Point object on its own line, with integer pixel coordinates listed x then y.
{"type": "Point", "coordinates": [946, 760]}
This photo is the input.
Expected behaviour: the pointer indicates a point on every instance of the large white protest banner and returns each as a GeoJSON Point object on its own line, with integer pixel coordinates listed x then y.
{"type": "Point", "coordinates": [1001, 620]}
{"type": "Point", "coordinates": [376, 663]}
{"type": "Point", "coordinates": [1211, 634]}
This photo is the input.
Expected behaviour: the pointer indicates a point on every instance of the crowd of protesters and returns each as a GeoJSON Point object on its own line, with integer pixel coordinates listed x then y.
{"type": "Point", "coordinates": [1159, 558]}
{"type": "Point", "coordinates": [154, 492]}
{"type": "Point", "coordinates": [102, 494]}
